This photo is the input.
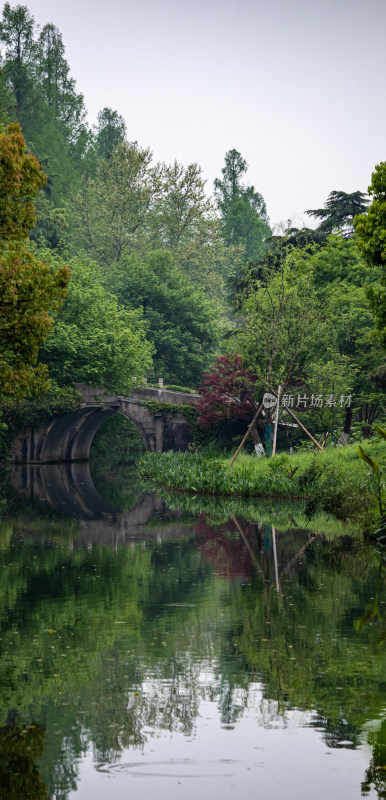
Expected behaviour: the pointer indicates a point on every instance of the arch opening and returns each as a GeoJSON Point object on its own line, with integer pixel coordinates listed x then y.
{"type": "Point", "coordinates": [70, 438]}
{"type": "Point", "coordinates": [114, 453]}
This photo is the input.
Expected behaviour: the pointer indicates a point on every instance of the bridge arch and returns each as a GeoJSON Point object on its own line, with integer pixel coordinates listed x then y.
{"type": "Point", "coordinates": [69, 437]}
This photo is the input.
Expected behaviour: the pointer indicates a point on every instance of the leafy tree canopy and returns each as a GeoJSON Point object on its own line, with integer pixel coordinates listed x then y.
{"type": "Point", "coordinates": [371, 227]}
{"type": "Point", "coordinates": [135, 206]}
{"type": "Point", "coordinates": [28, 292]}
{"type": "Point", "coordinates": [37, 89]}
{"type": "Point", "coordinates": [181, 321]}
{"type": "Point", "coordinates": [109, 211]}
{"type": "Point", "coordinates": [110, 131]}
{"type": "Point", "coordinates": [94, 340]}
{"type": "Point", "coordinates": [283, 325]}
{"type": "Point", "coordinates": [339, 211]}
{"type": "Point", "coordinates": [278, 247]}
{"type": "Point", "coordinates": [339, 261]}
{"type": "Point", "coordinates": [242, 208]}
{"type": "Point", "coordinates": [57, 87]}
{"type": "Point", "coordinates": [28, 289]}
{"type": "Point", "coordinates": [309, 324]}
{"type": "Point", "coordinates": [371, 234]}
{"type": "Point", "coordinates": [181, 212]}
{"type": "Point", "coordinates": [20, 178]}
{"type": "Point", "coordinates": [182, 219]}
{"type": "Point", "coordinates": [17, 30]}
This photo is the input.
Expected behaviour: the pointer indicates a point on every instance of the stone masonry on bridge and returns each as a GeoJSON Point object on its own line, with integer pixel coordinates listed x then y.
{"type": "Point", "coordinates": [69, 437]}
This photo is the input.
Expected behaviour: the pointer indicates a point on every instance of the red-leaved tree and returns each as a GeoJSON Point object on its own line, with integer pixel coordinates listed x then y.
{"type": "Point", "coordinates": [226, 392]}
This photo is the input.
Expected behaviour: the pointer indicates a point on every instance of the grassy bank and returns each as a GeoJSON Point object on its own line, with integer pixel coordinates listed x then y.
{"type": "Point", "coordinates": [335, 481]}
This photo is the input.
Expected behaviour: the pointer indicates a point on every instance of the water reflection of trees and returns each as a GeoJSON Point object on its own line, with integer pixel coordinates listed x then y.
{"type": "Point", "coordinates": [375, 774]}
{"type": "Point", "coordinates": [109, 647]}
{"type": "Point", "coordinates": [20, 748]}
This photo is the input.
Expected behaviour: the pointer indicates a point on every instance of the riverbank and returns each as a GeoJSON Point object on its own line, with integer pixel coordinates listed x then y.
{"type": "Point", "coordinates": [334, 481]}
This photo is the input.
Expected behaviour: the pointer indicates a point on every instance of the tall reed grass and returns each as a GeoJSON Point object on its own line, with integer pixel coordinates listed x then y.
{"type": "Point", "coordinates": [334, 481]}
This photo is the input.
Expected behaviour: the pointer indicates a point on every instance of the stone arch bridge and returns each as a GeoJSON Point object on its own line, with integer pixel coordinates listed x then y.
{"type": "Point", "coordinates": [69, 437]}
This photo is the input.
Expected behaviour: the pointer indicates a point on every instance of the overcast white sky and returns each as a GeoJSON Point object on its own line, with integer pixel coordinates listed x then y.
{"type": "Point", "coordinates": [297, 87]}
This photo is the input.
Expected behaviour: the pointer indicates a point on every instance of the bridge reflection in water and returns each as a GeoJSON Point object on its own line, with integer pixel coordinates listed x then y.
{"type": "Point", "coordinates": [236, 549]}
{"type": "Point", "coordinates": [69, 489]}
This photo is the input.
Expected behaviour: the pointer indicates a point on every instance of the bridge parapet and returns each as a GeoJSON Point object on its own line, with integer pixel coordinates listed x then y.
{"type": "Point", "coordinates": [158, 395]}
{"type": "Point", "coordinates": [165, 396]}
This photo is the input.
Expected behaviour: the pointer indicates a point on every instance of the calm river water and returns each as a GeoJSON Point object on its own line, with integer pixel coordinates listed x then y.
{"type": "Point", "coordinates": [156, 652]}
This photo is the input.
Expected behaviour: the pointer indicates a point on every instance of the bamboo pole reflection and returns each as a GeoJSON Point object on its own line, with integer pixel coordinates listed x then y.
{"type": "Point", "coordinates": [275, 559]}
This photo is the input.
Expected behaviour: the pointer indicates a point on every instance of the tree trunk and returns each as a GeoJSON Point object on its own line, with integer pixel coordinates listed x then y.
{"type": "Point", "coordinates": [347, 425]}
{"type": "Point", "coordinates": [259, 449]}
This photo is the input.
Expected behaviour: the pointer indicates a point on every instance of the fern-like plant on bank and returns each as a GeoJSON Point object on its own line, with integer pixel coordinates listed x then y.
{"type": "Point", "coordinates": [377, 470]}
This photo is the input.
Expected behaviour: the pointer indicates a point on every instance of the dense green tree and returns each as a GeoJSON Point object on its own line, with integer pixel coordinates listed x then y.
{"type": "Point", "coordinates": [283, 326]}
{"type": "Point", "coordinates": [110, 131]}
{"type": "Point", "coordinates": [7, 101]}
{"type": "Point", "coordinates": [339, 211]}
{"type": "Point", "coordinates": [28, 289]}
{"type": "Point", "coordinates": [280, 244]}
{"type": "Point", "coordinates": [338, 262]}
{"type": "Point", "coordinates": [332, 376]}
{"type": "Point", "coordinates": [307, 327]}
{"type": "Point", "coordinates": [110, 210]}
{"type": "Point", "coordinates": [181, 213]}
{"type": "Point", "coordinates": [20, 178]}
{"type": "Point", "coordinates": [17, 30]}
{"type": "Point", "coordinates": [58, 88]}
{"type": "Point", "coordinates": [38, 74]}
{"type": "Point", "coordinates": [47, 106]}
{"type": "Point", "coordinates": [340, 276]}
{"type": "Point", "coordinates": [208, 263]}
{"type": "Point", "coordinates": [371, 227]}
{"type": "Point", "coordinates": [29, 292]}
{"type": "Point", "coordinates": [94, 340]}
{"type": "Point", "coordinates": [278, 247]}
{"type": "Point", "coordinates": [242, 208]}
{"type": "Point", "coordinates": [182, 323]}
{"type": "Point", "coordinates": [182, 219]}
{"type": "Point", "coordinates": [52, 223]}
{"type": "Point", "coordinates": [59, 134]}
{"type": "Point", "coordinates": [371, 234]}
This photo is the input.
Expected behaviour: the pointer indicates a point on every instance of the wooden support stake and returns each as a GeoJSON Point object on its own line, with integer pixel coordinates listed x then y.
{"type": "Point", "coordinates": [253, 557]}
{"type": "Point", "coordinates": [288, 410]}
{"type": "Point", "coordinates": [241, 445]}
{"type": "Point", "coordinates": [275, 559]}
{"type": "Point", "coordinates": [303, 428]}
{"type": "Point", "coordinates": [320, 440]}
{"type": "Point", "coordinates": [276, 420]}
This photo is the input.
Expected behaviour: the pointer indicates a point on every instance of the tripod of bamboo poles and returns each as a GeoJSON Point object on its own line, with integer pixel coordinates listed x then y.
{"type": "Point", "coordinates": [255, 418]}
